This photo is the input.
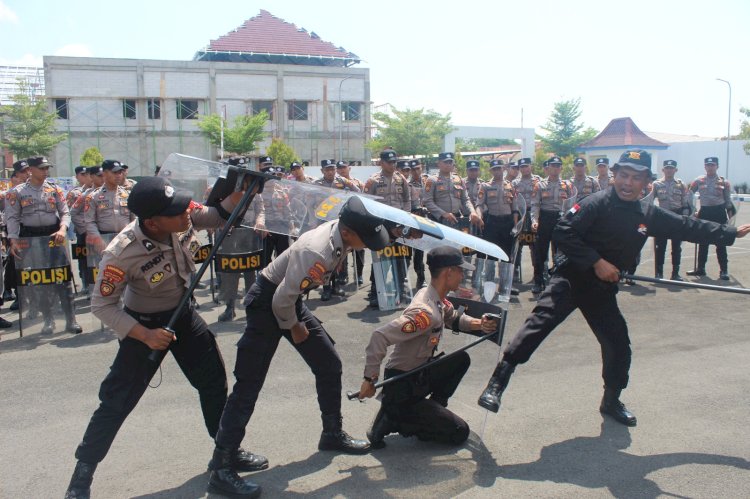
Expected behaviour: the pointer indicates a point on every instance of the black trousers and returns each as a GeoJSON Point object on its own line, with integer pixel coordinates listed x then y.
{"type": "Point", "coordinates": [660, 250]}
{"type": "Point", "coordinates": [715, 214]}
{"type": "Point", "coordinates": [197, 355]}
{"type": "Point", "coordinates": [547, 222]}
{"type": "Point", "coordinates": [497, 230]}
{"type": "Point", "coordinates": [406, 404]}
{"type": "Point", "coordinates": [274, 242]}
{"type": "Point", "coordinates": [255, 351]}
{"type": "Point", "coordinates": [598, 303]}
{"type": "Point", "coordinates": [82, 273]}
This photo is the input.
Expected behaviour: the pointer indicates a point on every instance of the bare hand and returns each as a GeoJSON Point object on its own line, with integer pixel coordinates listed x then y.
{"type": "Point", "coordinates": [15, 248]}
{"type": "Point", "coordinates": [743, 230]}
{"type": "Point", "coordinates": [606, 271]}
{"type": "Point", "coordinates": [450, 218]}
{"type": "Point", "coordinates": [534, 226]}
{"type": "Point", "coordinates": [475, 220]}
{"type": "Point", "coordinates": [158, 339]}
{"type": "Point", "coordinates": [299, 333]}
{"type": "Point", "coordinates": [367, 390]}
{"type": "Point", "coordinates": [59, 237]}
{"type": "Point", "coordinates": [488, 325]}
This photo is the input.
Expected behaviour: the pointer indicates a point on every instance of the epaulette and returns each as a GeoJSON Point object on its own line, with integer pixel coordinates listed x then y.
{"type": "Point", "coordinates": [121, 241]}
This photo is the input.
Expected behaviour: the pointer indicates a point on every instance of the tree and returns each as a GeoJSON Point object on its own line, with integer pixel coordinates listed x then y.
{"type": "Point", "coordinates": [282, 153]}
{"type": "Point", "coordinates": [411, 132]}
{"type": "Point", "coordinates": [564, 134]}
{"type": "Point", "coordinates": [29, 127]}
{"type": "Point", "coordinates": [239, 139]}
{"type": "Point", "coordinates": [91, 157]}
{"type": "Point", "coordinates": [745, 129]}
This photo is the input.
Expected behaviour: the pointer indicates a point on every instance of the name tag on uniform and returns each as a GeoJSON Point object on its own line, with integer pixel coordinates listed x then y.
{"type": "Point", "coordinates": [492, 194]}
{"type": "Point", "coordinates": [102, 205]}
{"type": "Point", "coordinates": [546, 194]}
{"type": "Point", "coordinates": [26, 202]}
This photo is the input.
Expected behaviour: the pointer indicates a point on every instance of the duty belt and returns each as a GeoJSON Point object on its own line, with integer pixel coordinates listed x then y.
{"type": "Point", "coordinates": [156, 319]}
{"type": "Point", "coordinates": [43, 230]}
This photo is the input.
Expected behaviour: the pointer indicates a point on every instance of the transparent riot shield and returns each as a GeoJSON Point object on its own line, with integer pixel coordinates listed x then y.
{"type": "Point", "coordinates": [732, 211]}
{"type": "Point", "coordinates": [45, 290]}
{"type": "Point", "coordinates": [95, 246]}
{"type": "Point", "coordinates": [239, 255]}
{"type": "Point", "coordinates": [389, 266]}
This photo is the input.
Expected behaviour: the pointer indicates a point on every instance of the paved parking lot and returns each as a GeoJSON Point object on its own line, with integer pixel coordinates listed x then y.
{"type": "Point", "coordinates": [689, 388]}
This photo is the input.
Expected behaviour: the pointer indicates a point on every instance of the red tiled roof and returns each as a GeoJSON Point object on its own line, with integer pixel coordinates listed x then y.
{"type": "Point", "coordinates": [621, 132]}
{"type": "Point", "coordinates": [267, 34]}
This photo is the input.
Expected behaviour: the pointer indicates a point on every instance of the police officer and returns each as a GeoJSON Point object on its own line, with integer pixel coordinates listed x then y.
{"type": "Point", "coordinates": [34, 209]}
{"type": "Point", "coordinates": [416, 185]}
{"type": "Point", "coordinates": [673, 195]}
{"type": "Point", "coordinates": [297, 172]}
{"type": "Point", "coordinates": [597, 238]}
{"type": "Point", "coordinates": [75, 202]}
{"type": "Point", "coordinates": [553, 192]}
{"type": "Point", "coordinates": [343, 169]}
{"type": "Point", "coordinates": [585, 184]}
{"type": "Point", "coordinates": [106, 208]}
{"type": "Point", "coordinates": [394, 190]}
{"type": "Point", "coordinates": [19, 176]}
{"type": "Point", "coordinates": [416, 335]}
{"type": "Point", "coordinates": [499, 210]}
{"type": "Point", "coordinates": [472, 180]}
{"type": "Point", "coordinates": [512, 171]}
{"type": "Point", "coordinates": [97, 176]}
{"type": "Point", "coordinates": [527, 186]}
{"type": "Point", "coordinates": [126, 182]}
{"type": "Point", "coordinates": [445, 195]}
{"type": "Point", "coordinates": [148, 265]}
{"type": "Point", "coordinates": [603, 178]}
{"type": "Point", "coordinates": [274, 310]}
{"type": "Point", "coordinates": [276, 208]}
{"type": "Point", "coordinates": [715, 197]}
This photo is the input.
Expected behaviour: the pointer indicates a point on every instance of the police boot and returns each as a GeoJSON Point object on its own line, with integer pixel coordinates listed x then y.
{"type": "Point", "coordinates": [80, 482]}
{"type": "Point", "coordinates": [224, 480]}
{"type": "Point", "coordinates": [49, 325]}
{"type": "Point", "coordinates": [372, 297]}
{"type": "Point", "coordinates": [723, 274]}
{"type": "Point", "coordinates": [71, 325]}
{"type": "Point", "coordinates": [699, 272]}
{"type": "Point", "coordinates": [242, 460]}
{"type": "Point", "coordinates": [612, 406]}
{"type": "Point", "coordinates": [537, 288]}
{"type": "Point", "coordinates": [676, 273]}
{"type": "Point", "coordinates": [381, 426]}
{"type": "Point", "coordinates": [490, 398]}
{"type": "Point", "coordinates": [228, 314]}
{"type": "Point", "coordinates": [14, 305]}
{"type": "Point", "coordinates": [326, 294]}
{"type": "Point", "coordinates": [420, 280]}
{"type": "Point", "coordinates": [337, 291]}
{"type": "Point", "coordinates": [334, 437]}
{"type": "Point", "coordinates": [659, 274]}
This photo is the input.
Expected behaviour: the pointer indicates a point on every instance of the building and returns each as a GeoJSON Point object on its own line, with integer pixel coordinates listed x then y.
{"type": "Point", "coordinates": [140, 111]}
{"type": "Point", "coordinates": [617, 137]}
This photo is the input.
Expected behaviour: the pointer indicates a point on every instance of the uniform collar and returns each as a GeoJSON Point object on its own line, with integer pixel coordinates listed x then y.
{"type": "Point", "coordinates": [149, 245]}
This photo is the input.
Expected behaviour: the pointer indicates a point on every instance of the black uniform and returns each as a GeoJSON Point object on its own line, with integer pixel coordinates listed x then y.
{"type": "Point", "coordinates": [602, 226]}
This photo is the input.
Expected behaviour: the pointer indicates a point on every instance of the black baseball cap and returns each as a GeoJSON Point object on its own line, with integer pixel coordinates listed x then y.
{"type": "Point", "coordinates": [670, 163]}
{"type": "Point", "coordinates": [496, 163]}
{"type": "Point", "coordinates": [265, 160]}
{"type": "Point", "coordinates": [447, 256]}
{"type": "Point", "coordinates": [341, 164]}
{"type": "Point", "coordinates": [80, 169]}
{"type": "Point", "coordinates": [554, 160]}
{"type": "Point", "coordinates": [20, 165]}
{"type": "Point", "coordinates": [579, 162]}
{"type": "Point", "coordinates": [295, 165]}
{"type": "Point", "coordinates": [415, 162]}
{"type": "Point", "coordinates": [112, 165]}
{"type": "Point", "coordinates": [711, 160]}
{"type": "Point", "coordinates": [514, 165]}
{"type": "Point", "coordinates": [472, 165]}
{"type": "Point", "coordinates": [446, 156]}
{"type": "Point", "coordinates": [403, 164]}
{"type": "Point", "coordinates": [370, 229]}
{"type": "Point", "coordinates": [38, 161]}
{"type": "Point", "coordinates": [155, 196]}
{"type": "Point", "coordinates": [388, 155]}
{"type": "Point", "coordinates": [636, 159]}
{"type": "Point", "coordinates": [328, 163]}
{"type": "Point", "coordinates": [95, 170]}
{"type": "Point", "coordinates": [238, 160]}
{"type": "Point", "coordinates": [602, 161]}
{"type": "Point", "coordinates": [524, 162]}
{"type": "Point", "coordinates": [546, 163]}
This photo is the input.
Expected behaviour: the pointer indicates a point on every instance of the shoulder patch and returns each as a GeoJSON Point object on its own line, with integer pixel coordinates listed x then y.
{"type": "Point", "coordinates": [106, 288]}
{"type": "Point", "coordinates": [409, 327]}
{"type": "Point", "coordinates": [121, 241]}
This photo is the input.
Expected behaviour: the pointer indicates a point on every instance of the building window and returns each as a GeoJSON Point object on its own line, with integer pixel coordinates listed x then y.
{"type": "Point", "coordinates": [351, 111]}
{"type": "Point", "coordinates": [128, 109]}
{"type": "Point", "coordinates": [297, 110]}
{"type": "Point", "coordinates": [154, 109]}
{"type": "Point", "coordinates": [263, 105]}
{"type": "Point", "coordinates": [187, 109]}
{"type": "Point", "coordinates": [61, 108]}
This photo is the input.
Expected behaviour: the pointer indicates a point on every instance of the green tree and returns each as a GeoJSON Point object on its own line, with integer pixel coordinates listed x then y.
{"type": "Point", "coordinates": [282, 153]}
{"type": "Point", "coordinates": [29, 127]}
{"type": "Point", "coordinates": [564, 133]}
{"type": "Point", "coordinates": [745, 129]}
{"type": "Point", "coordinates": [241, 138]}
{"type": "Point", "coordinates": [91, 157]}
{"type": "Point", "coordinates": [411, 132]}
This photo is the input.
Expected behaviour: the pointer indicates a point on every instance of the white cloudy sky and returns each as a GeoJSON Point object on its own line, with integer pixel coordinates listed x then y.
{"type": "Point", "coordinates": [482, 61]}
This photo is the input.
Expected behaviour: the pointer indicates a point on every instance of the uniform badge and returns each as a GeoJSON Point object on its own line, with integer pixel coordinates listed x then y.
{"type": "Point", "coordinates": [156, 277]}
{"type": "Point", "coordinates": [106, 288]}
{"type": "Point", "coordinates": [408, 327]}
{"type": "Point", "coordinates": [114, 274]}
{"type": "Point", "coordinates": [168, 268]}
{"type": "Point", "coordinates": [338, 252]}
{"type": "Point", "coordinates": [148, 245]}
{"type": "Point", "coordinates": [434, 340]}
{"type": "Point", "coordinates": [306, 283]}
{"type": "Point", "coordinates": [316, 272]}
{"type": "Point", "coordinates": [642, 229]}
{"type": "Point", "coordinates": [422, 320]}
{"type": "Point", "coordinates": [195, 206]}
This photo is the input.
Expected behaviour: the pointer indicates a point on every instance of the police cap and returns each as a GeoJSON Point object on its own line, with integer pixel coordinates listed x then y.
{"type": "Point", "coordinates": [341, 164]}
{"type": "Point", "coordinates": [602, 161]}
{"type": "Point", "coordinates": [514, 165]}
{"type": "Point", "coordinates": [524, 162]}
{"type": "Point", "coordinates": [446, 156]}
{"type": "Point", "coordinates": [95, 170]}
{"type": "Point", "coordinates": [496, 163]}
{"type": "Point", "coordinates": [294, 165]}
{"type": "Point", "coordinates": [403, 164]}
{"type": "Point", "coordinates": [670, 163]}
{"type": "Point", "coordinates": [446, 256]}
{"type": "Point", "coordinates": [711, 160]}
{"type": "Point", "coordinates": [80, 169]}
{"type": "Point", "coordinates": [370, 229]}
{"type": "Point", "coordinates": [155, 196]}
{"type": "Point", "coordinates": [554, 160]}
{"type": "Point", "coordinates": [472, 165]}
{"type": "Point", "coordinates": [636, 159]}
{"type": "Point", "coordinates": [415, 163]}
{"type": "Point", "coordinates": [38, 161]}
{"type": "Point", "coordinates": [112, 164]}
{"type": "Point", "coordinates": [265, 160]}
{"type": "Point", "coordinates": [388, 155]}
{"type": "Point", "coordinates": [238, 160]}
{"type": "Point", "coordinates": [328, 163]}
{"type": "Point", "coordinates": [20, 165]}
{"type": "Point", "coordinates": [579, 162]}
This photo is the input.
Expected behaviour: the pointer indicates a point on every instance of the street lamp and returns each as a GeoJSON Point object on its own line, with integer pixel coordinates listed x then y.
{"type": "Point", "coordinates": [341, 120]}
{"type": "Point", "coordinates": [729, 122]}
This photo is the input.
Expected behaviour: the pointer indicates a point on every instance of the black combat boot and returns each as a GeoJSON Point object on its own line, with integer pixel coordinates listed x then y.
{"type": "Point", "coordinates": [612, 406]}
{"type": "Point", "coordinates": [49, 325]}
{"type": "Point", "coordinates": [372, 298]}
{"type": "Point", "coordinates": [335, 438]}
{"type": "Point", "coordinates": [699, 272]}
{"type": "Point", "coordinates": [723, 274]}
{"type": "Point", "coordinates": [224, 480]}
{"type": "Point", "coordinates": [228, 314]}
{"type": "Point", "coordinates": [326, 294]}
{"type": "Point", "coordinates": [659, 274]}
{"type": "Point", "coordinates": [538, 286]}
{"type": "Point", "coordinates": [676, 273]}
{"type": "Point", "coordinates": [381, 427]}
{"type": "Point", "coordinates": [337, 291]}
{"type": "Point", "coordinates": [80, 482]}
{"type": "Point", "coordinates": [71, 325]}
{"type": "Point", "coordinates": [242, 460]}
{"type": "Point", "coordinates": [490, 398]}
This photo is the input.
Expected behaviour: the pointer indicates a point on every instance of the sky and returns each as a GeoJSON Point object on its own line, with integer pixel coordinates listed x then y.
{"type": "Point", "coordinates": [488, 63]}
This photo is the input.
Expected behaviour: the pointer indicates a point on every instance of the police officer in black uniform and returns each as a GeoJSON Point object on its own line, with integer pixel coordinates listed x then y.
{"type": "Point", "coordinates": [597, 238]}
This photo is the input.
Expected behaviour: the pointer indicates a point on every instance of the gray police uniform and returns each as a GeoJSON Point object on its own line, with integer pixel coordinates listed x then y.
{"type": "Point", "coordinates": [277, 214]}
{"type": "Point", "coordinates": [552, 194]}
{"type": "Point", "coordinates": [447, 195]}
{"type": "Point", "coordinates": [416, 335]}
{"type": "Point", "coordinates": [497, 206]}
{"type": "Point", "coordinates": [76, 201]}
{"type": "Point", "coordinates": [673, 195]}
{"type": "Point", "coordinates": [150, 277]}
{"type": "Point", "coordinates": [417, 207]}
{"type": "Point", "coordinates": [585, 186]}
{"type": "Point", "coordinates": [472, 189]}
{"type": "Point", "coordinates": [106, 211]}
{"type": "Point", "coordinates": [605, 182]}
{"type": "Point", "coordinates": [715, 198]}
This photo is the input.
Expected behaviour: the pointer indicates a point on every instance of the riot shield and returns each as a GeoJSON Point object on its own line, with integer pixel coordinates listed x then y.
{"type": "Point", "coordinates": [45, 290]}
{"type": "Point", "coordinates": [732, 211]}
{"type": "Point", "coordinates": [95, 246]}
{"type": "Point", "coordinates": [389, 267]}
{"type": "Point", "coordinates": [239, 255]}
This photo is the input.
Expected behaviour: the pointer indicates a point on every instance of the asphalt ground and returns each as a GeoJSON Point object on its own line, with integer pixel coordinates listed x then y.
{"type": "Point", "coordinates": [689, 389]}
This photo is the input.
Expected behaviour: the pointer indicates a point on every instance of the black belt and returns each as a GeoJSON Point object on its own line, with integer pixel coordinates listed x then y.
{"type": "Point", "coordinates": [157, 319]}
{"type": "Point", "coordinates": [43, 230]}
